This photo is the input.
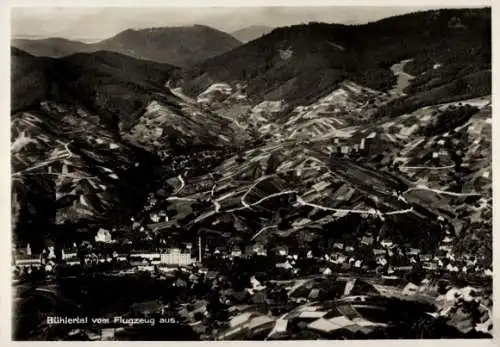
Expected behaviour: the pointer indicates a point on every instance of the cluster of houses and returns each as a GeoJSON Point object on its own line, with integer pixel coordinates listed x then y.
{"type": "Point", "coordinates": [237, 252]}
{"type": "Point", "coordinates": [444, 259]}
{"type": "Point", "coordinates": [170, 257]}
{"type": "Point", "coordinates": [371, 143]}
{"type": "Point", "coordinates": [24, 260]}
{"type": "Point", "coordinates": [387, 256]}
{"type": "Point", "coordinates": [384, 253]}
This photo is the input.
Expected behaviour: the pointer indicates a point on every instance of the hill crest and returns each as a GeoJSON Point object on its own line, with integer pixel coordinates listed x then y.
{"type": "Point", "coordinates": [179, 46]}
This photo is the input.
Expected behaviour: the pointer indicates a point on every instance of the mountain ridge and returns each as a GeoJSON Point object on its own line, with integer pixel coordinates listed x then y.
{"type": "Point", "coordinates": [316, 56]}
{"type": "Point", "coordinates": [190, 44]}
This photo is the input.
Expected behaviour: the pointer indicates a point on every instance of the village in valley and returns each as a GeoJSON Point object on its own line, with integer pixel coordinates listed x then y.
{"type": "Point", "coordinates": [311, 181]}
{"type": "Point", "coordinates": [386, 258]}
{"type": "Point", "coordinates": [257, 282]}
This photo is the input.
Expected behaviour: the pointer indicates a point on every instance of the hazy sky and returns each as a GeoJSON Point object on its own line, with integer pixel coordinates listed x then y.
{"type": "Point", "coordinates": [89, 22]}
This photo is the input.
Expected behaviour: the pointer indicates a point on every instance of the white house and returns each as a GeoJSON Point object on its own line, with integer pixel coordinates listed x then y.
{"type": "Point", "coordinates": [282, 251]}
{"type": "Point", "coordinates": [286, 265]}
{"type": "Point", "coordinates": [154, 217]}
{"type": "Point", "coordinates": [103, 235]}
{"type": "Point", "coordinates": [338, 245]}
{"type": "Point", "coordinates": [236, 252]}
{"type": "Point", "coordinates": [414, 251]}
{"type": "Point", "coordinates": [258, 249]}
{"type": "Point", "coordinates": [446, 248]}
{"type": "Point", "coordinates": [386, 243]}
{"type": "Point", "coordinates": [447, 239]}
{"type": "Point", "coordinates": [382, 261]}
{"type": "Point", "coordinates": [174, 256]}
{"type": "Point", "coordinates": [27, 261]}
{"type": "Point", "coordinates": [327, 272]}
{"type": "Point", "coordinates": [49, 267]}
{"type": "Point", "coordinates": [340, 259]}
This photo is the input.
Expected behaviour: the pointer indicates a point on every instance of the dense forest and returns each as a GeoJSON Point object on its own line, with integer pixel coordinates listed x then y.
{"type": "Point", "coordinates": [324, 54]}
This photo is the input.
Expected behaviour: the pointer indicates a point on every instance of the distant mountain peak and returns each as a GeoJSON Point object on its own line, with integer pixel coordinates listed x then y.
{"type": "Point", "coordinates": [180, 46]}
{"type": "Point", "coordinates": [251, 33]}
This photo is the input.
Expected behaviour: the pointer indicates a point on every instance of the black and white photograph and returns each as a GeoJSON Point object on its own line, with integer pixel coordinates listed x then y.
{"type": "Point", "coordinates": [264, 173]}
